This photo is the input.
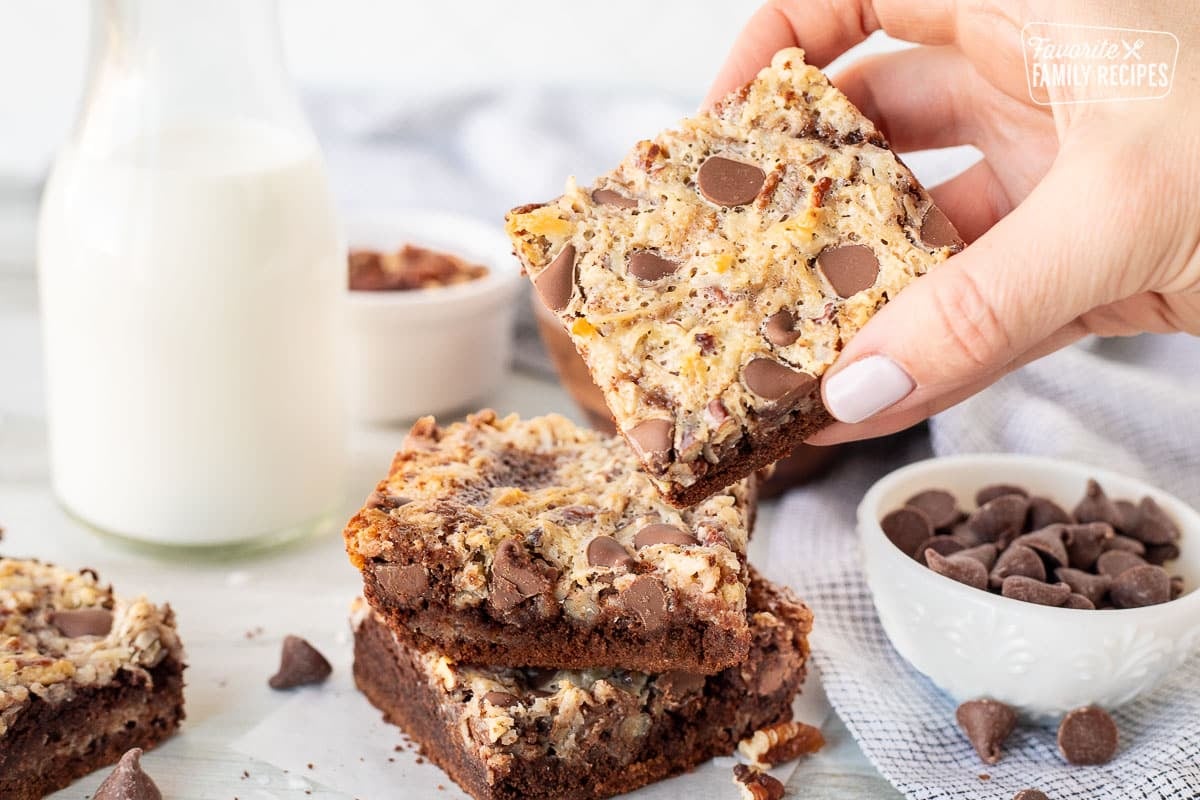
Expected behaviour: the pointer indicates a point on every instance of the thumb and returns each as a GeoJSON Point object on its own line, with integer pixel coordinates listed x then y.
{"type": "Point", "coordinates": [1014, 294]}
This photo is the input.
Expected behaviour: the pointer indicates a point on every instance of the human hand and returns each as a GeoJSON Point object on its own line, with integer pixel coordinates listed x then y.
{"type": "Point", "coordinates": [1080, 219]}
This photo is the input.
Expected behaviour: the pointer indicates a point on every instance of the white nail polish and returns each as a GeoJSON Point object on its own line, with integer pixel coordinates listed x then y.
{"type": "Point", "coordinates": [866, 387]}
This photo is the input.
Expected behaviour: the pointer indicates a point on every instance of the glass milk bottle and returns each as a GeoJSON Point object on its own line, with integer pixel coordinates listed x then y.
{"type": "Point", "coordinates": [191, 270]}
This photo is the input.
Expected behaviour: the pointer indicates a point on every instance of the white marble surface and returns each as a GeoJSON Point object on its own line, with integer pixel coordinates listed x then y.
{"type": "Point", "coordinates": [232, 614]}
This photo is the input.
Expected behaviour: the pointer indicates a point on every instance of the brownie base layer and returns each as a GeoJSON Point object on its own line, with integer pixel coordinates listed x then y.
{"type": "Point", "coordinates": [50, 746]}
{"type": "Point", "coordinates": [386, 672]}
{"type": "Point", "coordinates": [762, 451]}
{"type": "Point", "coordinates": [473, 637]}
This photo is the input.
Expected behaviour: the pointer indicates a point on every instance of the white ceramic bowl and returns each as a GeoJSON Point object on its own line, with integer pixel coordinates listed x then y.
{"type": "Point", "coordinates": [1042, 660]}
{"type": "Point", "coordinates": [429, 351]}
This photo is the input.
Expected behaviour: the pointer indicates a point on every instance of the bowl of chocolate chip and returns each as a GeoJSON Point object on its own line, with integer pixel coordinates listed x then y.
{"type": "Point", "coordinates": [1042, 583]}
{"type": "Point", "coordinates": [431, 303]}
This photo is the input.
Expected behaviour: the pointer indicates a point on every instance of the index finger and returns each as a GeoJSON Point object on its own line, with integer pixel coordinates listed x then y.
{"type": "Point", "coordinates": [826, 29]}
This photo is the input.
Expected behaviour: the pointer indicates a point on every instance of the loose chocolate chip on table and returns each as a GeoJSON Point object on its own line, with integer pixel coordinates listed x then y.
{"type": "Point", "coordinates": [991, 492]}
{"type": "Point", "coordinates": [1154, 526]}
{"type": "Point", "coordinates": [1096, 507]}
{"type": "Point", "coordinates": [999, 515]}
{"type": "Point", "coordinates": [515, 577]}
{"type": "Point", "coordinates": [938, 231]}
{"type": "Point", "coordinates": [1048, 543]}
{"type": "Point", "coordinates": [661, 533]}
{"type": "Point", "coordinates": [1086, 542]}
{"type": "Point", "coordinates": [645, 598]}
{"type": "Point", "coordinates": [1146, 585]}
{"type": "Point", "coordinates": [556, 283]}
{"type": "Point", "coordinates": [940, 506]}
{"type": "Point", "coordinates": [299, 665]}
{"type": "Point", "coordinates": [987, 723]}
{"type": "Point", "coordinates": [128, 781]}
{"type": "Point", "coordinates": [1114, 562]}
{"type": "Point", "coordinates": [1043, 511]}
{"type": "Point", "coordinates": [501, 699]}
{"type": "Point", "coordinates": [1030, 794]}
{"type": "Point", "coordinates": [1093, 587]}
{"type": "Point", "coordinates": [1161, 553]}
{"type": "Point", "coordinates": [780, 328]}
{"type": "Point", "coordinates": [605, 551]}
{"type": "Point", "coordinates": [1087, 736]}
{"type": "Point", "coordinates": [609, 197]}
{"type": "Point", "coordinates": [406, 582]}
{"type": "Point", "coordinates": [849, 268]}
{"type": "Point", "coordinates": [82, 622]}
{"type": "Point", "coordinates": [1017, 560]}
{"type": "Point", "coordinates": [907, 528]}
{"type": "Point", "coordinates": [959, 568]}
{"type": "Point", "coordinates": [1080, 602]}
{"type": "Point", "coordinates": [1019, 587]}
{"type": "Point", "coordinates": [729, 183]}
{"type": "Point", "coordinates": [652, 437]}
{"type": "Point", "coordinates": [649, 267]}
{"type": "Point", "coordinates": [983, 553]}
{"type": "Point", "coordinates": [942, 545]}
{"type": "Point", "coordinates": [773, 381]}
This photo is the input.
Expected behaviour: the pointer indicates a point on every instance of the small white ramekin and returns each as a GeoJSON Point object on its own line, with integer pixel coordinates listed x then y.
{"type": "Point", "coordinates": [1042, 660]}
{"type": "Point", "coordinates": [429, 351]}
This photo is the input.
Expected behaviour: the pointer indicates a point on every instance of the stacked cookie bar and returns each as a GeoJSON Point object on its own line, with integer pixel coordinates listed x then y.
{"type": "Point", "coordinates": [546, 625]}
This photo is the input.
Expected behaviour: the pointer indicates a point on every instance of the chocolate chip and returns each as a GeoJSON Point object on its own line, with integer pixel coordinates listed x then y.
{"type": "Point", "coordinates": [646, 598]}
{"type": "Point", "coordinates": [770, 676]}
{"type": "Point", "coordinates": [1096, 507]}
{"type": "Point", "coordinates": [907, 528]}
{"type": "Point", "coordinates": [1146, 585]}
{"type": "Point", "coordinates": [405, 582]}
{"type": "Point", "coordinates": [1161, 553]}
{"type": "Point", "coordinates": [82, 622]}
{"type": "Point", "coordinates": [987, 723]}
{"type": "Point", "coordinates": [609, 197]}
{"type": "Point", "coordinates": [1048, 543]}
{"type": "Point", "coordinates": [983, 553]}
{"type": "Point", "coordinates": [501, 699]}
{"type": "Point", "coordinates": [1128, 513]}
{"type": "Point", "coordinates": [942, 545]}
{"type": "Point", "coordinates": [991, 492]}
{"type": "Point", "coordinates": [995, 517]}
{"type": "Point", "coordinates": [959, 568]}
{"type": "Point", "coordinates": [605, 551]}
{"type": "Point", "coordinates": [384, 502]}
{"type": "Point", "coordinates": [1154, 526]}
{"type": "Point", "coordinates": [938, 231]}
{"type": "Point", "coordinates": [556, 283]}
{"type": "Point", "coordinates": [779, 329]}
{"type": "Point", "coordinates": [299, 665]}
{"type": "Point", "coordinates": [1176, 586]}
{"type": "Point", "coordinates": [1093, 587]}
{"type": "Point", "coordinates": [1044, 512]}
{"type": "Point", "coordinates": [1087, 736]}
{"type": "Point", "coordinates": [1086, 542]}
{"type": "Point", "coordinates": [677, 683]}
{"type": "Point", "coordinates": [650, 267]}
{"type": "Point", "coordinates": [940, 506]}
{"type": "Point", "coordinates": [128, 781]}
{"type": "Point", "coordinates": [1114, 562]}
{"type": "Point", "coordinates": [654, 437]}
{"type": "Point", "coordinates": [1019, 587]}
{"type": "Point", "coordinates": [1018, 560]}
{"type": "Point", "coordinates": [515, 577]}
{"type": "Point", "coordinates": [729, 183]}
{"type": "Point", "coordinates": [661, 533]}
{"type": "Point", "coordinates": [1126, 543]}
{"type": "Point", "coordinates": [1080, 602]}
{"type": "Point", "coordinates": [1030, 794]}
{"type": "Point", "coordinates": [773, 381]}
{"type": "Point", "coordinates": [849, 268]}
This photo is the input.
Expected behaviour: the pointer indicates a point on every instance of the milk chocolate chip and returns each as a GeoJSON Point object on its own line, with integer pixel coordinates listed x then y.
{"type": "Point", "coordinates": [1086, 542]}
{"type": "Point", "coordinates": [677, 683]}
{"type": "Point", "coordinates": [1018, 560]}
{"type": "Point", "coordinates": [779, 329]}
{"type": "Point", "coordinates": [945, 546]}
{"type": "Point", "coordinates": [1145, 585]}
{"type": "Point", "coordinates": [300, 664]}
{"type": "Point", "coordinates": [1043, 512]}
{"type": "Point", "coordinates": [406, 582]}
{"type": "Point", "coordinates": [1126, 543]}
{"type": "Point", "coordinates": [1048, 543]}
{"type": "Point", "coordinates": [609, 197]}
{"type": "Point", "coordinates": [958, 568]}
{"type": "Point", "coordinates": [605, 551]}
{"type": "Point", "coordinates": [1079, 601]}
{"type": "Point", "coordinates": [127, 781]}
{"type": "Point", "coordinates": [989, 493]}
{"type": "Point", "coordinates": [1088, 736]}
{"type": "Point", "coordinates": [773, 381]}
{"type": "Point", "coordinates": [938, 231]}
{"type": "Point", "coordinates": [996, 517]}
{"type": "Point", "coordinates": [654, 437]}
{"type": "Point", "coordinates": [1154, 526]}
{"type": "Point", "coordinates": [515, 576]}
{"type": "Point", "coordinates": [987, 723]}
{"type": "Point", "coordinates": [849, 268]}
{"type": "Point", "coordinates": [940, 506]}
{"type": "Point", "coordinates": [661, 533]}
{"type": "Point", "coordinates": [556, 283]}
{"type": "Point", "coordinates": [649, 267]}
{"type": "Point", "coordinates": [907, 528]}
{"type": "Point", "coordinates": [1114, 562]}
{"type": "Point", "coordinates": [645, 598]}
{"type": "Point", "coordinates": [1096, 507]}
{"type": "Point", "coordinates": [82, 622]}
{"type": "Point", "coordinates": [1093, 587]}
{"type": "Point", "coordinates": [1019, 587]}
{"type": "Point", "coordinates": [983, 553]}
{"type": "Point", "coordinates": [501, 699]}
{"type": "Point", "coordinates": [729, 183]}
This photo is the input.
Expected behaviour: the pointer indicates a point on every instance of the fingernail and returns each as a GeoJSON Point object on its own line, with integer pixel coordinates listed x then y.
{"type": "Point", "coordinates": [866, 387]}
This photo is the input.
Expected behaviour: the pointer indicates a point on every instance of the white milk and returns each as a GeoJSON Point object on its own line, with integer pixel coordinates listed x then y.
{"type": "Point", "coordinates": [190, 289]}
